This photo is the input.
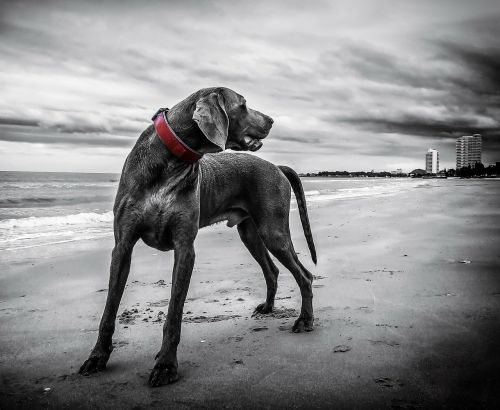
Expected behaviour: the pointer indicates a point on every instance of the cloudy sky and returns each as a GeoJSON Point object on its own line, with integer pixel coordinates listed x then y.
{"type": "Point", "coordinates": [354, 85]}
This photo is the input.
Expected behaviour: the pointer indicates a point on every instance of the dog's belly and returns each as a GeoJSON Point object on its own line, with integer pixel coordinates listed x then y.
{"type": "Point", "coordinates": [233, 217]}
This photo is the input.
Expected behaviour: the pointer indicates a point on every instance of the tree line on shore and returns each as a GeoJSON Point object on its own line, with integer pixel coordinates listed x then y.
{"type": "Point", "coordinates": [353, 174]}
{"type": "Point", "coordinates": [476, 170]}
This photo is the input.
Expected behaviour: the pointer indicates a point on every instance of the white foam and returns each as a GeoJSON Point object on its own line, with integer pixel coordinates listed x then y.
{"type": "Point", "coordinates": [32, 232]}
{"type": "Point", "coordinates": [87, 218]}
{"type": "Point", "coordinates": [385, 189]}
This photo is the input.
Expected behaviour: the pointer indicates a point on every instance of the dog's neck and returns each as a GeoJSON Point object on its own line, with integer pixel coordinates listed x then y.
{"type": "Point", "coordinates": [172, 142]}
{"type": "Point", "coordinates": [163, 163]}
{"type": "Point", "coordinates": [185, 129]}
{"type": "Point", "coordinates": [180, 119]}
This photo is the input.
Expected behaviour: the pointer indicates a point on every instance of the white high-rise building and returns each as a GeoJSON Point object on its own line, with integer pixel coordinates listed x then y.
{"type": "Point", "coordinates": [432, 161]}
{"type": "Point", "coordinates": [469, 149]}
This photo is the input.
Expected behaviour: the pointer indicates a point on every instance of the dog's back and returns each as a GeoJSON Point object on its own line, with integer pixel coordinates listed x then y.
{"type": "Point", "coordinates": [240, 181]}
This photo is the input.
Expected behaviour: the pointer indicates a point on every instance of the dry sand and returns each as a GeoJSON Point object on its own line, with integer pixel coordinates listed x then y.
{"type": "Point", "coordinates": [400, 321]}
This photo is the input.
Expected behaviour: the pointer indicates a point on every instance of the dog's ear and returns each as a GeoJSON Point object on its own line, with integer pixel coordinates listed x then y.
{"type": "Point", "coordinates": [212, 120]}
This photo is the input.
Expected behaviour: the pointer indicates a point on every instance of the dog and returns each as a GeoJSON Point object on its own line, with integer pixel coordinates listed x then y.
{"type": "Point", "coordinates": [174, 182]}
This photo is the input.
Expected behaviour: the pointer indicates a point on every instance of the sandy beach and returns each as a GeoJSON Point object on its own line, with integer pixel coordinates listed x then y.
{"type": "Point", "coordinates": [407, 298]}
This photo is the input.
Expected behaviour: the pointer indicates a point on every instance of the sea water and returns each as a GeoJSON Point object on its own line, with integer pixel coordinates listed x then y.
{"type": "Point", "coordinates": [43, 208]}
{"type": "Point", "coordinates": [38, 209]}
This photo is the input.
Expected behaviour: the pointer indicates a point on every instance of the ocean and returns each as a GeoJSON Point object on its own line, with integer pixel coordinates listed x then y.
{"type": "Point", "coordinates": [38, 209]}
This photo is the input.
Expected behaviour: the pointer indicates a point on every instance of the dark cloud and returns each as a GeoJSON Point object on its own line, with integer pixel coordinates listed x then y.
{"type": "Point", "coordinates": [464, 92]}
{"type": "Point", "coordinates": [76, 129]}
{"type": "Point", "coordinates": [415, 126]}
{"type": "Point", "coordinates": [305, 138]}
{"type": "Point", "coordinates": [482, 66]}
{"type": "Point", "coordinates": [40, 136]}
{"type": "Point", "coordinates": [18, 121]}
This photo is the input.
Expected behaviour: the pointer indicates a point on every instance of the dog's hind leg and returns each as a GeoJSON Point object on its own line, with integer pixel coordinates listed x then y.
{"type": "Point", "coordinates": [251, 239]}
{"type": "Point", "coordinates": [253, 242]}
{"type": "Point", "coordinates": [120, 267]}
{"type": "Point", "coordinates": [276, 237]}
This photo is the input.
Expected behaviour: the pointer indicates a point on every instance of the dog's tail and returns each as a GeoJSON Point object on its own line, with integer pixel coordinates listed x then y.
{"type": "Point", "coordinates": [294, 180]}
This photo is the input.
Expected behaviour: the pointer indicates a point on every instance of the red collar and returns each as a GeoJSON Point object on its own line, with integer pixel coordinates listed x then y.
{"type": "Point", "coordinates": [173, 142]}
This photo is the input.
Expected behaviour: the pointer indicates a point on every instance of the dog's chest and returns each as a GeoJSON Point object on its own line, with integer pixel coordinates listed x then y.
{"type": "Point", "coordinates": [159, 214]}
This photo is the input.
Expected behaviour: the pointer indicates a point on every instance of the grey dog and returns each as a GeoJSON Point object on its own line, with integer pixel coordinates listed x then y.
{"type": "Point", "coordinates": [164, 201]}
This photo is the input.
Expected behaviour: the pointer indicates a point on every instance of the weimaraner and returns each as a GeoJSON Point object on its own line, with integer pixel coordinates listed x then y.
{"type": "Point", "coordinates": [164, 198]}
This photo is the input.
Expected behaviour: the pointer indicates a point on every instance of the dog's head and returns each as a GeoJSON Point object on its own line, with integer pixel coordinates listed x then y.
{"type": "Point", "coordinates": [225, 120]}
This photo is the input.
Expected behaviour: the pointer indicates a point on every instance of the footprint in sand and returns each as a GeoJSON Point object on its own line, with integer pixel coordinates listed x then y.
{"type": "Point", "coordinates": [325, 308]}
{"type": "Point", "coordinates": [160, 303]}
{"type": "Point", "coordinates": [119, 343]}
{"type": "Point", "coordinates": [390, 343]}
{"type": "Point", "coordinates": [161, 282]}
{"type": "Point", "coordinates": [341, 349]}
{"type": "Point", "coordinates": [128, 316]}
{"type": "Point", "coordinates": [277, 313]}
{"type": "Point", "coordinates": [405, 405]}
{"type": "Point", "coordinates": [160, 317]}
{"type": "Point", "coordinates": [388, 383]}
{"type": "Point", "coordinates": [208, 319]}
{"type": "Point", "coordinates": [245, 289]}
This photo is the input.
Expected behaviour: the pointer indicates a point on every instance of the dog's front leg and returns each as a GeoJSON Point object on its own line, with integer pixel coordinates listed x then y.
{"type": "Point", "coordinates": [120, 268]}
{"type": "Point", "coordinates": [165, 369]}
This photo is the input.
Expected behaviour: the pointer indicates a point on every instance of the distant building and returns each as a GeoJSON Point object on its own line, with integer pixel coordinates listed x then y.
{"type": "Point", "coordinates": [469, 148]}
{"type": "Point", "coordinates": [432, 161]}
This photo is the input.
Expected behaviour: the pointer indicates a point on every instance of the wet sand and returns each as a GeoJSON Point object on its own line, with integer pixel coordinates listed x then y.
{"type": "Point", "coordinates": [407, 297]}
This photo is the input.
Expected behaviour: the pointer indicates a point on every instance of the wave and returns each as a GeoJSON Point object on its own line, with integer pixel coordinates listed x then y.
{"type": "Point", "coordinates": [58, 185]}
{"type": "Point", "coordinates": [84, 218]}
{"type": "Point", "coordinates": [57, 242]}
{"type": "Point", "coordinates": [29, 200]}
{"type": "Point", "coordinates": [33, 232]}
{"type": "Point", "coordinates": [43, 201]}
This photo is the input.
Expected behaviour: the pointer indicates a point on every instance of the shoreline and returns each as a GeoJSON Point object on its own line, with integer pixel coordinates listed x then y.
{"type": "Point", "coordinates": [400, 321]}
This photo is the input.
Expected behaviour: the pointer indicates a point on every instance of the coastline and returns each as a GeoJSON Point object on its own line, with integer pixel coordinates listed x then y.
{"type": "Point", "coordinates": [420, 327]}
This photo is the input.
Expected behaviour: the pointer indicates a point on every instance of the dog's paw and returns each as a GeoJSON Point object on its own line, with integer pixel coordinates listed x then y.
{"type": "Point", "coordinates": [263, 309]}
{"type": "Point", "coordinates": [161, 377]}
{"type": "Point", "coordinates": [303, 325]}
{"type": "Point", "coordinates": [93, 364]}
